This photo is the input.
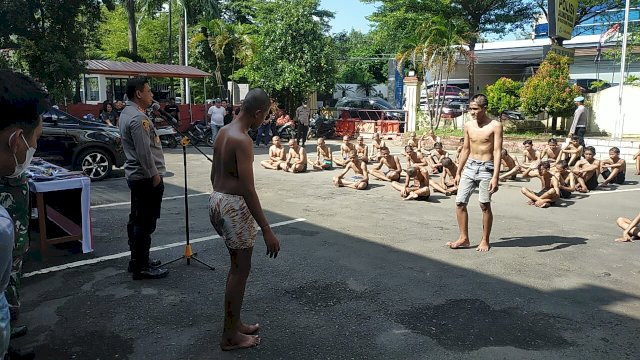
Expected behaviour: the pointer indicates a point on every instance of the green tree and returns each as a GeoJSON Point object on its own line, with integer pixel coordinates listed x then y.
{"type": "Point", "coordinates": [549, 90]}
{"type": "Point", "coordinates": [358, 58]}
{"type": "Point", "coordinates": [294, 55]}
{"type": "Point", "coordinates": [50, 39]}
{"type": "Point", "coordinates": [503, 95]}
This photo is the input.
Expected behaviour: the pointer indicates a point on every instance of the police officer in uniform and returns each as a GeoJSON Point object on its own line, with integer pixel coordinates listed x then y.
{"type": "Point", "coordinates": [144, 169]}
{"type": "Point", "coordinates": [302, 118]}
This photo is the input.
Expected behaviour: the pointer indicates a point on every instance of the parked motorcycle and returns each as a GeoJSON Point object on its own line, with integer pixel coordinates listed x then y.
{"type": "Point", "coordinates": [199, 132]}
{"type": "Point", "coordinates": [321, 127]}
{"type": "Point", "coordinates": [168, 136]}
{"type": "Point", "coordinates": [287, 131]}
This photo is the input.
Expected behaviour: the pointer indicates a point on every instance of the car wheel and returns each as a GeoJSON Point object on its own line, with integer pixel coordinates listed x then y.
{"type": "Point", "coordinates": [95, 163]}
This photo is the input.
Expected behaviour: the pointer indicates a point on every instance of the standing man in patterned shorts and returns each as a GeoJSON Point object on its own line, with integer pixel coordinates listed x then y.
{"type": "Point", "coordinates": [480, 161]}
{"type": "Point", "coordinates": [233, 207]}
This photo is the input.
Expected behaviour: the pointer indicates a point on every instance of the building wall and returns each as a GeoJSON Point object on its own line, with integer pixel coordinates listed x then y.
{"type": "Point", "coordinates": [605, 110]}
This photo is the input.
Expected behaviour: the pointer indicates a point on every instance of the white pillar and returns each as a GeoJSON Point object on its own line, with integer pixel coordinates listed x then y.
{"type": "Point", "coordinates": [412, 94]}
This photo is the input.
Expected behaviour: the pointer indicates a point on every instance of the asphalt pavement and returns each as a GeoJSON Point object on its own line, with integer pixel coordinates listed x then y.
{"type": "Point", "coordinates": [361, 275]}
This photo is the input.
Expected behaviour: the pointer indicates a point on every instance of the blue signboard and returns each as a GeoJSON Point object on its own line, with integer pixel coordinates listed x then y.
{"type": "Point", "coordinates": [399, 89]}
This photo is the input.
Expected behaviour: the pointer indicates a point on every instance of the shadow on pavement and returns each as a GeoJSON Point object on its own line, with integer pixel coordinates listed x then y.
{"type": "Point", "coordinates": [560, 242]}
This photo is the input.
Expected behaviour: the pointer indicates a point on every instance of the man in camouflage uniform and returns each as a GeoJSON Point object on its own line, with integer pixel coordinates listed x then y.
{"type": "Point", "coordinates": [14, 196]}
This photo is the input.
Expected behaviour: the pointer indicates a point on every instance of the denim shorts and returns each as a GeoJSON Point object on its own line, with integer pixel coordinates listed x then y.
{"type": "Point", "coordinates": [475, 173]}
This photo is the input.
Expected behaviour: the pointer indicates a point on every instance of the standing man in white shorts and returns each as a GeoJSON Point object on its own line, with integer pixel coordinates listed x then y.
{"type": "Point", "coordinates": [480, 152]}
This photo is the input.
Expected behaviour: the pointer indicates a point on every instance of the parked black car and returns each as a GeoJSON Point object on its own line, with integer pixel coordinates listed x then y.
{"type": "Point", "coordinates": [77, 144]}
{"type": "Point", "coordinates": [369, 108]}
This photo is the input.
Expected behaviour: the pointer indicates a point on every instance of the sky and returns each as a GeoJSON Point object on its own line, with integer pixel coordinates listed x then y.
{"type": "Point", "coordinates": [349, 14]}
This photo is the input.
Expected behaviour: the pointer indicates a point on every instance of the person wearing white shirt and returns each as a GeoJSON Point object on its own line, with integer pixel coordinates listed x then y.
{"type": "Point", "coordinates": [216, 114]}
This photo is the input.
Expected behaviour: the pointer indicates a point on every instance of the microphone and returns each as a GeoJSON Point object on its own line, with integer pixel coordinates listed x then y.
{"type": "Point", "coordinates": [156, 107]}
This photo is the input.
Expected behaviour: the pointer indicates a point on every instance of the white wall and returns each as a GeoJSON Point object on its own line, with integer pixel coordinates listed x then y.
{"type": "Point", "coordinates": [380, 88]}
{"type": "Point", "coordinates": [605, 110]}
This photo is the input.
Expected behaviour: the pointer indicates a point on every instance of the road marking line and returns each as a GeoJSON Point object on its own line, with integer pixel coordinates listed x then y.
{"type": "Point", "coordinates": [600, 192]}
{"type": "Point", "coordinates": [128, 202]}
{"type": "Point", "coordinates": [127, 253]}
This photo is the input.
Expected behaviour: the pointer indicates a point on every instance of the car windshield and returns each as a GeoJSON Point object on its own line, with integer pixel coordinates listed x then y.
{"type": "Point", "coordinates": [385, 105]}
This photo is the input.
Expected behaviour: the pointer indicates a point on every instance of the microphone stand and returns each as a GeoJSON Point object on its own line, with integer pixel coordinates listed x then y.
{"type": "Point", "coordinates": [188, 252]}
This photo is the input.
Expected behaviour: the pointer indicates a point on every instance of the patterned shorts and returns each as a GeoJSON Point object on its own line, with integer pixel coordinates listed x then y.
{"type": "Point", "coordinates": [230, 216]}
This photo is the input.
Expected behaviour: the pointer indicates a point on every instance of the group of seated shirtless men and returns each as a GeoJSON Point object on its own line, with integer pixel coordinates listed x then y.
{"type": "Point", "coordinates": [561, 170]}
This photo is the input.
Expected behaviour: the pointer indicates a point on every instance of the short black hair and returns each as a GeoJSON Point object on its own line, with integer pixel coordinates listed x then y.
{"type": "Point", "coordinates": [544, 164]}
{"type": "Point", "coordinates": [503, 152]}
{"type": "Point", "coordinates": [135, 84]}
{"type": "Point", "coordinates": [575, 137]}
{"type": "Point", "coordinates": [437, 144]}
{"type": "Point", "coordinates": [615, 150]}
{"type": "Point", "coordinates": [480, 100]}
{"type": "Point", "coordinates": [382, 148]}
{"type": "Point", "coordinates": [22, 101]}
{"type": "Point", "coordinates": [256, 99]}
{"type": "Point", "coordinates": [590, 148]}
{"type": "Point", "coordinates": [527, 142]}
{"type": "Point", "coordinates": [411, 171]}
{"type": "Point", "coordinates": [552, 141]}
{"type": "Point", "coordinates": [446, 162]}
{"type": "Point", "coordinates": [562, 163]}
{"type": "Point", "coordinates": [461, 139]}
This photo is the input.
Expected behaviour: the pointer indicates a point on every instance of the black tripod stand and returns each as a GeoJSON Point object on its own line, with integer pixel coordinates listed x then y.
{"type": "Point", "coordinates": [188, 252]}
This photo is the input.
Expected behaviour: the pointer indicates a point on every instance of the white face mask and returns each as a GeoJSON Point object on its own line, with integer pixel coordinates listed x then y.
{"type": "Point", "coordinates": [20, 168]}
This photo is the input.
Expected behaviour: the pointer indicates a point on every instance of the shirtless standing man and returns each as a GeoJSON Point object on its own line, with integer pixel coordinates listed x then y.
{"type": "Point", "coordinates": [420, 188]}
{"type": "Point", "coordinates": [345, 148]}
{"type": "Point", "coordinates": [394, 168]}
{"type": "Point", "coordinates": [325, 157]}
{"type": "Point", "coordinates": [233, 206]}
{"type": "Point", "coordinates": [572, 151]}
{"type": "Point", "coordinates": [296, 158]}
{"type": "Point", "coordinates": [362, 149]}
{"type": "Point", "coordinates": [360, 180]}
{"type": "Point", "coordinates": [276, 155]}
{"type": "Point", "coordinates": [614, 168]}
{"type": "Point", "coordinates": [586, 171]}
{"type": "Point", "coordinates": [376, 145]}
{"type": "Point", "coordinates": [481, 150]}
{"type": "Point", "coordinates": [447, 186]}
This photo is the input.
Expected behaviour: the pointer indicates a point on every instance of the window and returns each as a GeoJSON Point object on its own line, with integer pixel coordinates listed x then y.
{"type": "Point", "coordinates": [91, 89]}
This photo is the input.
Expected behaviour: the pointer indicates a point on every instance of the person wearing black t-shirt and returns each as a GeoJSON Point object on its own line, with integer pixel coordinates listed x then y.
{"type": "Point", "coordinates": [228, 113]}
{"type": "Point", "coordinates": [173, 109]}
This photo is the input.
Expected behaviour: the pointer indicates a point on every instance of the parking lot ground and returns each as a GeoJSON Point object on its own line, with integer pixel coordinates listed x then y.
{"type": "Point", "coordinates": [361, 275]}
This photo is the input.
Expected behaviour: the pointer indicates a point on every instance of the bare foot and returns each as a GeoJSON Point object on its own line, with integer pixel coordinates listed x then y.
{"type": "Point", "coordinates": [543, 205]}
{"type": "Point", "coordinates": [484, 246]}
{"type": "Point", "coordinates": [460, 244]}
{"type": "Point", "coordinates": [530, 202]}
{"type": "Point", "coordinates": [239, 341]}
{"type": "Point", "coordinates": [623, 240]}
{"type": "Point", "coordinates": [411, 196]}
{"type": "Point", "coordinates": [248, 329]}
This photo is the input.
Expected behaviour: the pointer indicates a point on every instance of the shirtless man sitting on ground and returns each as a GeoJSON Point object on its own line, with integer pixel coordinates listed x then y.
{"type": "Point", "coordinates": [551, 151]}
{"type": "Point", "coordinates": [414, 158]}
{"type": "Point", "coordinates": [586, 171]}
{"type": "Point", "coordinates": [613, 169]}
{"type": "Point", "coordinates": [531, 160]}
{"type": "Point", "coordinates": [296, 158]}
{"type": "Point", "coordinates": [511, 165]}
{"type": "Point", "coordinates": [428, 141]}
{"type": "Point", "coordinates": [435, 157]}
{"type": "Point", "coordinates": [413, 140]}
{"type": "Point", "coordinates": [345, 148]}
{"type": "Point", "coordinates": [360, 180]}
{"type": "Point", "coordinates": [565, 178]}
{"type": "Point", "coordinates": [630, 229]}
{"type": "Point", "coordinates": [447, 186]}
{"type": "Point", "coordinates": [553, 186]}
{"type": "Point", "coordinates": [276, 155]}
{"type": "Point", "coordinates": [376, 145]}
{"type": "Point", "coordinates": [325, 157]}
{"type": "Point", "coordinates": [419, 190]}
{"type": "Point", "coordinates": [394, 169]}
{"type": "Point", "coordinates": [572, 151]}
{"type": "Point", "coordinates": [362, 149]}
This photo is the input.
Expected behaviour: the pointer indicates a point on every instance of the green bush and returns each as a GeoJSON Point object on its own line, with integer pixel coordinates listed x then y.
{"type": "Point", "coordinates": [504, 94]}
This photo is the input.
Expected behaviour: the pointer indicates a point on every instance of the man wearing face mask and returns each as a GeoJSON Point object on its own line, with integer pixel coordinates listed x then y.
{"type": "Point", "coordinates": [302, 118]}
{"type": "Point", "coordinates": [22, 101]}
{"type": "Point", "coordinates": [143, 169]}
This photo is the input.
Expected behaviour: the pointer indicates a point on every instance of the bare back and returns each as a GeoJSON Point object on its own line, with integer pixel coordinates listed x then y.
{"type": "Point", "coordinates": [232, 146]}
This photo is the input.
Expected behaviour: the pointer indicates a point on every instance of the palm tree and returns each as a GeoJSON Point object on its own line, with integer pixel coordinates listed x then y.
{"type": "Point", "coordinates": [437, 45]}
{"type": "Point", "coordinates": [367, 85]}
{"type": "Point", "coordinates": [344, 88]}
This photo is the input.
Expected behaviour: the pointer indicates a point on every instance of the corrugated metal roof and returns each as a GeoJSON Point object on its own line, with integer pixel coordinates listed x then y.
{"type": "Point", "coordinates": [108, 67]}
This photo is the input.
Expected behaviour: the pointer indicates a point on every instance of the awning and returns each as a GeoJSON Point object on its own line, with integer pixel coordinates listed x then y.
{"type": "Point", "coordinates": [108, 67]}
